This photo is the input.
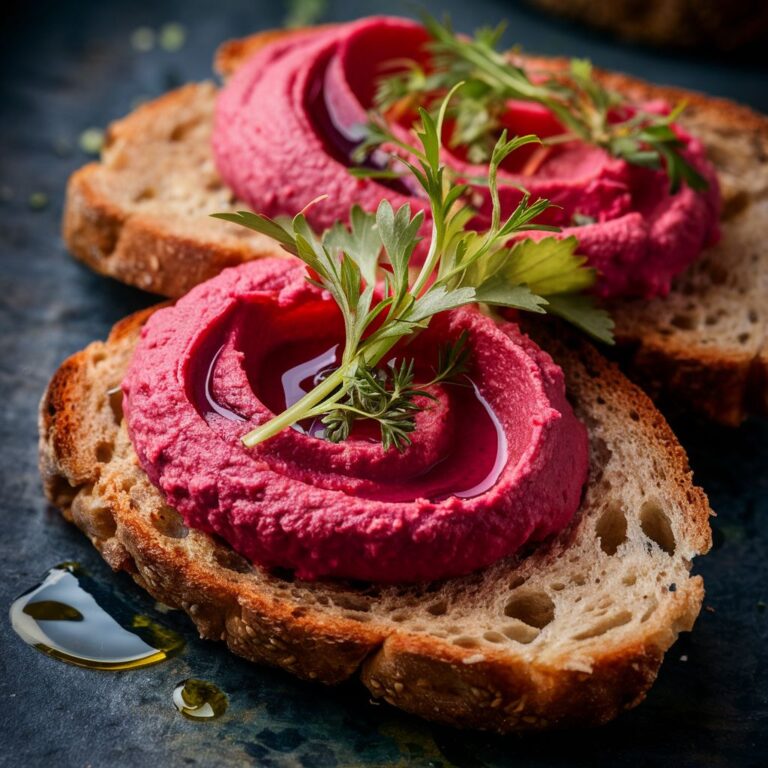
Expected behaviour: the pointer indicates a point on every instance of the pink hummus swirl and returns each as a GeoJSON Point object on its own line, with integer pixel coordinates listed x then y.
{"type": "Point", "coordinates": [287, 123]}
{"type": "Point", "coordinates": [497, 460]}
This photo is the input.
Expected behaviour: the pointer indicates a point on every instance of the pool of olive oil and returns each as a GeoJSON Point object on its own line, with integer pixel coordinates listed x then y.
{"type": "Point", "coordinates": [199, 699]}
{"type": "Point", "coordinates": [65, 616]}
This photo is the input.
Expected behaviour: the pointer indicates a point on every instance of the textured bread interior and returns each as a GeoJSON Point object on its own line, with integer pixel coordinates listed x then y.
{"type": "Point", "coordinates": [571, 631]}
{"type": "Point", "coordinates": [142, 215]}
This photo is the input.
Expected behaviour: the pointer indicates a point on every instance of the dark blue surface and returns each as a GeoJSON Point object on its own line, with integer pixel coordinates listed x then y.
{"type": "Point", "coordinates": [68, 66]}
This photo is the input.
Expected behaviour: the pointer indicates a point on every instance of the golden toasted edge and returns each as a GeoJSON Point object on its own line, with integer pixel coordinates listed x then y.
{"type": "Point", "coordinates": [428, 677]}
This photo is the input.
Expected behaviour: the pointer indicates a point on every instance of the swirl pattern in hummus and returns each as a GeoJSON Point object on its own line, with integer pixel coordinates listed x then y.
{"type": "Point", "coordinates": [496, 461]}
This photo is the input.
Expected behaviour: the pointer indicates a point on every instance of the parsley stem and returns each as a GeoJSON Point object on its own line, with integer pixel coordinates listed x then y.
{"type": "Point", "coordinates": [430, 262]}
{"type": "Point", "coordinates": [297, 411]}
{"type": "Point", "coordinates": [328, 392]}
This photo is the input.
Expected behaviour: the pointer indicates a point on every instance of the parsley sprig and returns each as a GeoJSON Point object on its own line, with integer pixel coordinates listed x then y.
{"type": "Point", "coordinates": [388, 396]}
{"type": "Point", "coordinates": [588, 111]}
{"type": "Point", "coordinates": [366, 268]}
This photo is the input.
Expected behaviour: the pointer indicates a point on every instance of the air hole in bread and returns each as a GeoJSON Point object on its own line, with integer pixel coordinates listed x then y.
{"type": "Point", "coordinates": [734, 204]}
{"type": "Point", "coordinates": [181, 130]}
{"type": "Point", "coordinates": [684, 322]}
{"type": "Point", "coordinates": [494, 637]}
{"type": "Point", "coordinates": [599, 455]}
{"type": "Point", "coordinates": [591, 372]}
{"type": "Point", "coordinates": [516, 582]}
{"type": "Point", "coordinates": [61, 491]}
{"type": "Point", "coordinates": [611, 528]}
{"type": "Point", "coordinates": [214, 185]}
{"type": "Point", "coordinates": [398, 617]}
{"type": "Point", "coordinates": [148, 193]}
{"type": "Point", "coordinates": [229, 559]}
{"type": "Point", "coordinates": [521, 633]}
{"type": "Point", "coordinates": [438, 609]}
{"type": "Point", "coordinates": [656, 526]}
{"type": "Point", "coordinates": [116, 404]}
{"type": "Point", "coordinates": [717, 273]}
{"type": "Point", "coordinates": [467, 642]}
{"type": "Point", "coordinates": [534, 608]}
{"type": "Point", "coordinates": [743, 338]}
{"type": "Point", "coordinates": [629, 580]}
{"type": "Point", "coordinates": [752, 316]}
{"type": "Point", "coordinates": [617, 620]}
{"type": "Point", "coordinates": [168, 522]}
{"type": "Point", "coordinates": [579, 579]}
{"type": "Point", "coordinates": [104, 452]}
{"type": "Point", "coordinates": [557, 586]}
{"type": "Point", "coordinates": [653, 605]}
{"type": "Point", "coordinates": [351, 602]}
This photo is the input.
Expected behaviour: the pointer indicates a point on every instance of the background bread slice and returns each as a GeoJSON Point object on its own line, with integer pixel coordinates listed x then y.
{"type": "Point", "coordinates": [141, 215]}
{"type": "Point", "coordinates": [572, 633]}
{"type": "Point", "coordinates": [703, 24]}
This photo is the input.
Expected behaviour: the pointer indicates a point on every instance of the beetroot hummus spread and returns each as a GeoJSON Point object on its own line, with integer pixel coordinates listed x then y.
{"type": "Point", "coordinates": [287, 123]}
{"type": "Point", "coordinates": [497, 460]}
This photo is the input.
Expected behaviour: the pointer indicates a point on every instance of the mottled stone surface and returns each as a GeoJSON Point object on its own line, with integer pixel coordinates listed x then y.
{"type": "Point", "coordinates": [67, 66]}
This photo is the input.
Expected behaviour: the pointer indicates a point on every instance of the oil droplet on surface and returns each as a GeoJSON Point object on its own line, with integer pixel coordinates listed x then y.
{"type": "Point", "coordinates": [199, 699]}
{"type": "Point", "coordinates": [61, 617]}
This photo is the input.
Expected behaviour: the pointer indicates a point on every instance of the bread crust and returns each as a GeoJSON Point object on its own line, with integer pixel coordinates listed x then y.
{"type": "Point", "coordinates": [329, 631]}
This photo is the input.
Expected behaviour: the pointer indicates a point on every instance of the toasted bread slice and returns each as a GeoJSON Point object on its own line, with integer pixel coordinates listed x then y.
{"type": "Point", "coordinates": [572, 632]}
{"type": "Point", "coordinates": [141, 216]}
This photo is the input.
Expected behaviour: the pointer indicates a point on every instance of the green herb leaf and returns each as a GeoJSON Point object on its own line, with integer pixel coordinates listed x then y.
{"type": "Point", "coordinates": [498, 291]}
{"type": "Point", "coordinates": [276, 230]}
{"type": "Point", "coordinates": [588, 111]}
{"type": "Point", "coordinates": [360, 242]}
{"type": "Point", "coordinates": [549, 266]}
{"type": "Point", "coordinates": [580, 310]}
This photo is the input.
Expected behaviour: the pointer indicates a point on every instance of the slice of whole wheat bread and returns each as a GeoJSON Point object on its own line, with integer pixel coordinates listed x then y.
{"type": "Point", "coordinates": [573, 632]}
{"type": "Point", "coordinates": [141, 216]}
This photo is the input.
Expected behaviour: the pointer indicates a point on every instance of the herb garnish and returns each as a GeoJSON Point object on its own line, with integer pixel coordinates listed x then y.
{"type": "Point", "coordinates": [387, 395]}
{"type": "Point", "coordinates": [462, 266]}
{"type": "Point", "coordinates": [588, 111]}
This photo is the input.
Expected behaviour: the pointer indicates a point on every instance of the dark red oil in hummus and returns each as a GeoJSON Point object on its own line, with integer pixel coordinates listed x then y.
{"type": "Point", "coordinates": [475, 455]}
{"type": "Point", "coordinates": [293, 370]}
